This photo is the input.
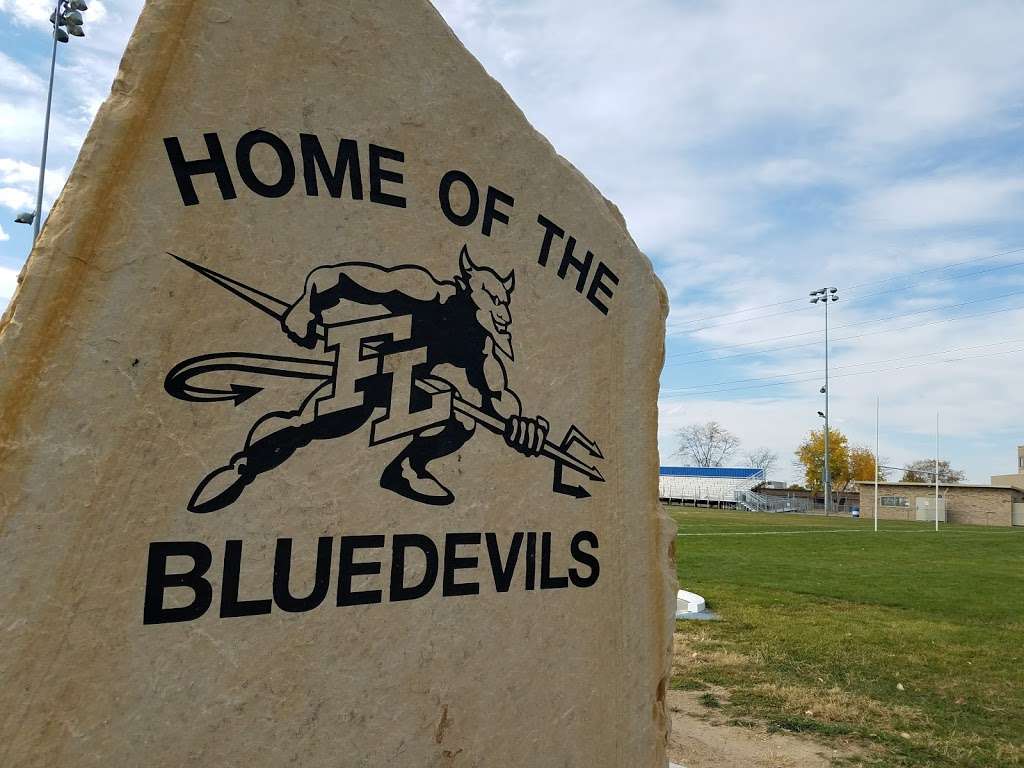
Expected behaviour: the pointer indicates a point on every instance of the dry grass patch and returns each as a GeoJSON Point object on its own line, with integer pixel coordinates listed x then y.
{"type": "Point", "coordinates": [834, 705]}
{"type": "Point", "coordinates": [693, 650]}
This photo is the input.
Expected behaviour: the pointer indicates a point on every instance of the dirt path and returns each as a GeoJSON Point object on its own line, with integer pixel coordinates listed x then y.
{"type": "Point", "coordinates": [702, 739]}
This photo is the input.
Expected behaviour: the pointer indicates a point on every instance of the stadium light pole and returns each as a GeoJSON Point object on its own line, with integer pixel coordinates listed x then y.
{"type": "Point", "coordinates": [826, 296]}
{"type": "Point", "coordinates": [66, 14]}
{"type": "Point", "coordinates": [824, 465]}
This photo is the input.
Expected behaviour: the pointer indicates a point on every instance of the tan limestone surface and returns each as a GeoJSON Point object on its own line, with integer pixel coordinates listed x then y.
{"type": "Point", "coordinates": [102, 453]}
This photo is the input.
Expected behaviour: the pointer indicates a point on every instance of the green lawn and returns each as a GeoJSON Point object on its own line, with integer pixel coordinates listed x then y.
{"type": "Point", "coordinates": [823, 620]}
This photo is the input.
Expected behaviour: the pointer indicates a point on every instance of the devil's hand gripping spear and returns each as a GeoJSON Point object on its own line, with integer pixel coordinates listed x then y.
{"type": "Point", "coordinates": [178, 384]}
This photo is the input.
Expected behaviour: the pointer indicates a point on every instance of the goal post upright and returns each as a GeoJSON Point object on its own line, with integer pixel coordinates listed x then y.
{"type": "Point", "coordinates": [878, 469]}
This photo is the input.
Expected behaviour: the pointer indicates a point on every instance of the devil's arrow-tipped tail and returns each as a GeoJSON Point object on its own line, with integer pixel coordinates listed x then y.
{"type": "Point", "coordinates": [181, 381]}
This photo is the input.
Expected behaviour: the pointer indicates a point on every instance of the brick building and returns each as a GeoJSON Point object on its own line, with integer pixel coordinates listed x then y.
{"type": "Point", "coordinates": [964, 503]}
{"type": "Point", "coordinates": [1016, 480]}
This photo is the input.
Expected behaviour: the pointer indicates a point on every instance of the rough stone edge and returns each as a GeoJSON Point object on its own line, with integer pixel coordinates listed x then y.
{"type": "Point", "coordinates": [96, 156]}
{"type": "Point", "coordinates": [49, 283]}
{"type": "Point", "coordinates": [144, 66]}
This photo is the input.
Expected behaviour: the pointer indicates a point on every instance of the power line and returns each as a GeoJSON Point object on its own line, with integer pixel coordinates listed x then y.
{"type": "Point", "coordinates": [736, 312]}
{"type": "Point", "coordinates": [854, 325]}
{"type": "Point", "coordinates": [883, 319]}
{"type": "Point", "coordinates": [937, 269]}
{"type": "Point", "coordinates": [844, 375]}
{"type": "Point", "coordinates": [874, 282]}
{"type": "Point", "coordinates": [869, 295]}
{"type": "Point", "coordinates": [816, 342]}
{"type": "Point", "coordinates": [853, 287]}
{"type": "Point", "coordinates": [844, 367]}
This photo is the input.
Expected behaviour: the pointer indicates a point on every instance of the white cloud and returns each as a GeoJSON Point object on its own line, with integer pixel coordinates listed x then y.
{"type": "Point", "coordinates": [17, 171]}
{"type": "Point", "coordinates": [14, 76]}
{"type": "Point", "coordinates": [8, 282]}
{"type": "Point", "coordinates": [3, 235]}
{"type": "Point", "coordinates": [28, 12]}
{"type": "Point", "coordinates": [793, 172]}
{"type": "Point", "coordinates": [16, 199]}
{"type": "Point", "coordinates": [943, 201]}
{"type": "Point", "coordinates": [36, 13]}
{"type": "Point", "coordinates": [19, 182]}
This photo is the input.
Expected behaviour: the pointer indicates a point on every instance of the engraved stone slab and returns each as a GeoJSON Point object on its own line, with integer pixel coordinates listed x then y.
{"type": "Point", "coordinates": [327, 420]}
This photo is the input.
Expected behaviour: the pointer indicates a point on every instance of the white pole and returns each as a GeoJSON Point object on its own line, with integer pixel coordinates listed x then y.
{"type": "Point", "coordinates": [877, 468]}
{"type": "Point", "coordinates": [936, 471]}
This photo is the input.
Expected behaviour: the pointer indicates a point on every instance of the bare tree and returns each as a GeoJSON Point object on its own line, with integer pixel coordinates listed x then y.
{"type": "Point", "coordinates": [708, 444]}
{"type": "Point", "coordinates": [762, 458]}
{"type": "Point", "coordinates": [923, 471]}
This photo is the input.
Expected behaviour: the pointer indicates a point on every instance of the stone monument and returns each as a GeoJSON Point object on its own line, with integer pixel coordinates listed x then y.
{"type": "Point", "coordinates": [328, 418]}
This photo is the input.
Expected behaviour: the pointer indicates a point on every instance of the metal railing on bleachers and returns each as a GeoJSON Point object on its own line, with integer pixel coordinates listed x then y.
{"type": "Point", "coordinates": [718, 487]}
{"type": "Point", "coordinates": [756, 502]}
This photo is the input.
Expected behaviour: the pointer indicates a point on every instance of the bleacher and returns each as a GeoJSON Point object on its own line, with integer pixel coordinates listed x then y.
{"type": "Point", "coordinates": [707, 486]}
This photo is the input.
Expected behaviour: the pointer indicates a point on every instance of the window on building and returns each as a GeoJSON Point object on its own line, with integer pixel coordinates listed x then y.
{"type": "Point", "coordinates": [895, 501]}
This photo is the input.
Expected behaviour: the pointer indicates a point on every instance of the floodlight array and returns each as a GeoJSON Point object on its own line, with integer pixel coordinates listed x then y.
{"type": "Point", "coordinates": [67, 19]}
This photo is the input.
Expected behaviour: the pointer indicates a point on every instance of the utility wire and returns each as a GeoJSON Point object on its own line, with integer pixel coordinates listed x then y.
{"type": "Point", "coordinates": [847, 366]}
{"type": "Point", "coordinates": [897, 289]}
{"type": "Point", "coordinates": [852, 325]}
{"type": "Point", "coordinates": [936, 269]}
{"type": "Point", "coordinates": [859, 285]}
{"type": "Point", "coordinates": [734, 312]}
{"type": "Point", "coordinates": [856, 373]}
{"type": "Point", "coordinates": [816, 342]}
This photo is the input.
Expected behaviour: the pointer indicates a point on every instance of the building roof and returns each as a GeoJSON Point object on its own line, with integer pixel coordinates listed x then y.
{"type": "Point", "coordinates": [941, 485]}
{"type": "Point", "coordinates": [739, 473]}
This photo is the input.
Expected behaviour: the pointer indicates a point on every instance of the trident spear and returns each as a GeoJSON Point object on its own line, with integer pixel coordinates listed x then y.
{"type": "Point", "coordinates": [276, 308]}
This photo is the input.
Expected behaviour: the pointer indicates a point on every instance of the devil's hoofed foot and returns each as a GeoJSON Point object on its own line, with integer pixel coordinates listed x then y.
{"type": "Point", "coordinates": [220, 488]}
{"type": "Point", "coordinates": [400, 477]}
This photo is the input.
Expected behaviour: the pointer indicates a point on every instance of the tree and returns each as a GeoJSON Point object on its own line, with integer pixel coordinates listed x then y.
{"type": "Point", "coordinates": [762, 458]}
{"type": "Point", "coordinates": [862, 464]}
{"type": "Point", "coordinates": [811, 456]}
{"type": "Point", "coordinates": [707, 445]}
{"type": "Point", "coordinates": [923, 471]}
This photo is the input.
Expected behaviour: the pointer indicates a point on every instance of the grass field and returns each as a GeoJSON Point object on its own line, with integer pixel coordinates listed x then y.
{"type": "Point", "coordinates": [907, 642]}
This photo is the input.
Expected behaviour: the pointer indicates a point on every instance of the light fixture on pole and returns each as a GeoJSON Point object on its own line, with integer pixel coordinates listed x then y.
{"type": "Point", "coordinates": [67, 21]}
{"type": "Point", "coordinates": [826, 296]}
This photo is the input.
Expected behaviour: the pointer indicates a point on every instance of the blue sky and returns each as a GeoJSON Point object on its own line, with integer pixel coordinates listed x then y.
{"type": "Point", "coordinates": [757, 151]}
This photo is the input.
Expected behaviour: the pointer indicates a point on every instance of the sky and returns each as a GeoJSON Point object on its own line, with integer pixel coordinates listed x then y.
{"type": "Point", "coordinates": [758, 152]}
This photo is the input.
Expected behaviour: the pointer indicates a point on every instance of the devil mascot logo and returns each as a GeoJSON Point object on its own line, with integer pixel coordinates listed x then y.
{"type": "Point", "coordinates": [425, 364]}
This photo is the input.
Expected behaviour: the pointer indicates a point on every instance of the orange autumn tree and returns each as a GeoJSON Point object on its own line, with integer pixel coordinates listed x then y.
{"type": "Point", "coordinates": [811, 455]}
{"type": "Point", "coordinates": [846, 463]}
{"type": "Point", "coordinates": [862, 464]}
